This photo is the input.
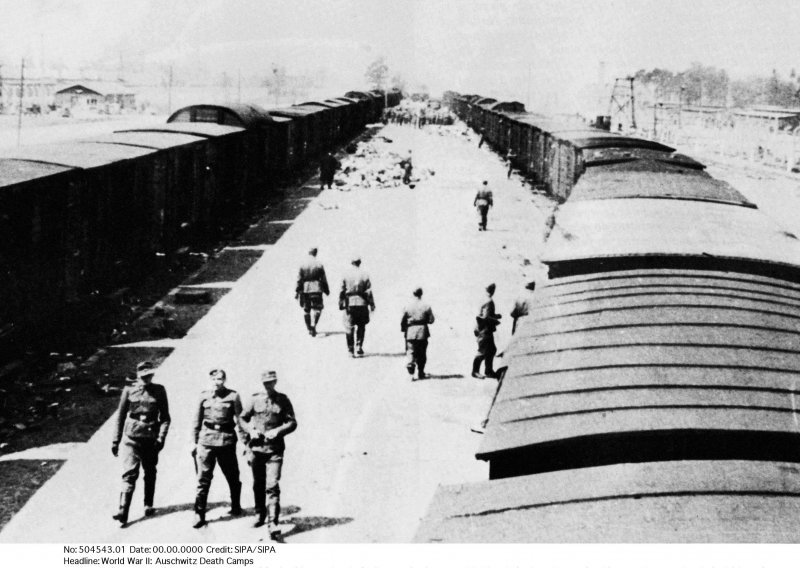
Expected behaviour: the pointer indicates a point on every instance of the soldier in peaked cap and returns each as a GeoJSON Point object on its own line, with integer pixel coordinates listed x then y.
{"type": "Point", "coordinates": [487, 321]}
{"type": "Point", "coordinates": [216, 420]}
{"type": "Point", "coordinates": [270, 418]}
{"type": "Point", "coordinates": [483, 201]}
{"type": "Point", "coordinates": [311, 284]}
{"type": "Point", "coordinates": [417, 316]}
{"type": "Point", "coordinates": [142, 424]}
{"type": "Point", "coordinates": [355, 298]}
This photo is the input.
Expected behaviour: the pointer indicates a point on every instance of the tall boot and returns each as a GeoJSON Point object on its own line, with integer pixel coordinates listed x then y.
{"type": "Point", "coordinates": [273, 512]}
{"type": "Point", "coordinates": [199, 512]}
{"type": "Point", "coordinates": [236, 506]}
{"type": "Point", "coordinates": [315, 320]}
{"type": "Point", "coordinates": [360, 333]}
{"type": "Point", "coordinates": [124, 506]}
{"type": "Point", "coordinates": [476, 367]}
{"type": "Point", "coordinates": [307, 319]}
{"type": "Point", "coordinates": [149, 493]}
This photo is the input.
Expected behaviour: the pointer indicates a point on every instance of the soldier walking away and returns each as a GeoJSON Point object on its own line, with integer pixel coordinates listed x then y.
{"type": "Point", "coordinates": [483, 137]}
{"type": "Point", "coordinates": [417, 316]}
{"type": "Point", "coordinates": [487, 321]}
{"type": "Point", "coordinates": [143, 418]}
{"type": "Point", "coordinates": [355, 298]}
{"type": "Point", "coordinates": [311, 284]}
{"type": "Point", "coordinates": [483, 201]}
{"type": "Point", "coordinates": [408, 169]}
{"type": "Point", "coordinates": [327, 168]}
{"type": "Point", "coordinates": [271, 417]}
{"type": "Point", "coordinates": [522, 305]}
{"type": "Point", "coordinates": [215, 422]}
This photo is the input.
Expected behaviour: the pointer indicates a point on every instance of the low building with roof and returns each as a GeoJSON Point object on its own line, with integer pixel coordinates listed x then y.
{"type": "Point", "coordinates": [96, 95]}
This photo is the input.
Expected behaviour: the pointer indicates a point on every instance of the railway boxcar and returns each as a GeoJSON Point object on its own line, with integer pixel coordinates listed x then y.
{"type": "Point", "coordinates": [40, 202]}
{"type": "Point", "coordinates": [704, 501]}
{"type": "Point", "coordinates": [602, 235]}
{"type": "Point", "coordinates": [227, 174]}
{"type": "Point", "coordinates": [273, 134]}
{"type": "Point", "coordinates": [108, 211]}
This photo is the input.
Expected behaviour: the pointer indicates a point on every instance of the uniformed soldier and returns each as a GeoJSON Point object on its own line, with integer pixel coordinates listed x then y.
{"type": "Point", "coordinates": [355, 298]}
{"type": "Point", "coordinates": [522, 305]}
{"type": "Point", "coordinates": [417, 316]}
{"type": "Point", "coordinates": [483, 201]}
{"type": "Point", "coordinates": [510, 157]}
{"type": "Point", "coordinates": [143, 418]}
{"type": "Point", "coordinates": [311, 284]}
{"type": "Point", "coordinates": [487, 321]}
{"type": "Point", "coordinates": [215, 423]}
{"type": "Point", "coordinates": [327, 168]}
{"type": "Point", "coordinates": [271, 417]}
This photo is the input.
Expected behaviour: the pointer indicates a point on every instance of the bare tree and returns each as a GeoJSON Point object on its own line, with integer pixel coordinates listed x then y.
{"type": "Point", "coordinates": [377, 72]}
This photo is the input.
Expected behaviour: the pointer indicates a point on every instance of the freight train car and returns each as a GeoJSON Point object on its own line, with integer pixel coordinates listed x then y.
{"type": "Point", "coordinates": [84, 218]}
{"type": "Point", "coordinates": [650, 395]}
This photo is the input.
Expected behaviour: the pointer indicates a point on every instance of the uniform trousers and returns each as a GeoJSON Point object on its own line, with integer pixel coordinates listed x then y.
{"type": "Point", "coordinates": [136, 452]}
{"type": "Point", "coordinates": [207, 457]}
{"type": "Point", "coordinates": [483, 211]}
{"type": "Point", "coordinates": [356, 319]}
{"type": "Point", "coordinates": [266, 475]}
{"type": "Point", "coordinates": [486, 353]}
{"type": "Point", "coordinates": [416, 353]}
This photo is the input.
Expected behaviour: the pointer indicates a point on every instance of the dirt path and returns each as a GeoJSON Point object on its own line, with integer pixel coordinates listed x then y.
{"type": "Point", "coordinates": [371, 446]}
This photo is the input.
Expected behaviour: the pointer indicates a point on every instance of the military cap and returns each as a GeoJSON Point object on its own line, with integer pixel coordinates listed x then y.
{"type": "Point", "coordinates": [145, 368]}
{"type": "Point", "coordinates": [269, 377]}
{"type": "Point", "coordinates": [216, 372]}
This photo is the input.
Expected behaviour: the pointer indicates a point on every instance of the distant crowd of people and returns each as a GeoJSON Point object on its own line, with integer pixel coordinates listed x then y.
{"type": "Point", "coordinates": [417, 118]}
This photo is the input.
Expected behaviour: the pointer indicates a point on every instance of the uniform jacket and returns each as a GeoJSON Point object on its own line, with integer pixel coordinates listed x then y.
{"type": "Point", "coordinates": [416, 318]}
{"type": "Point", "coordinates": [215, 419]}
{"type": "Point", "coordinates": [356, 289]}
{"type": "Point", "coordinates": [328, 165]}
{"type": "Point", "coordinates": [264, 414]}
{"type": "Point", "coordinates": [487, 319]}
{"type": "Point", "coordinates": [311, 277]}
{"type": "Point", "coordinates": [143, 412]}
{"type": "Point", "coordinates": [483, 197]}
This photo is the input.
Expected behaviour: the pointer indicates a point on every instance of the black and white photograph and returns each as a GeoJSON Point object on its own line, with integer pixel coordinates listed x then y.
{"type": "Point", "coordinates": [398, 272]}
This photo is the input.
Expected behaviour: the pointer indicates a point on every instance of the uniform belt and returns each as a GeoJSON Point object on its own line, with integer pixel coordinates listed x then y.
{"type": "Point", "coordinates": [417, 323]}
{"type": "Point", "coordinates": [140, 417]}
{"type": "Point", "coordinates": [219, 427]}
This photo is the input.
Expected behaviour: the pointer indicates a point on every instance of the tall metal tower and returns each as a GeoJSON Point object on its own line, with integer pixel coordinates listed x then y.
{"type": "Point", "coordinates": [622, 102]}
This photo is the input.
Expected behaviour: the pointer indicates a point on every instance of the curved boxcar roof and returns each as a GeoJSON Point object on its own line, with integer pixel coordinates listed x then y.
{"type": "Point", "coordinates": [676, 502]}
{"type": "Point", "coordinates": [85, 156]}
{"type": "Point", "coordinates": [234, 114]}
{"type": "Point", "coordinates": [202, 129]}
{"type": "Point", "coordinates": [653, 358]}
{"type": "Point", "coordinates": [644, 227]}
{"type": "Point", "coordinates": [508, 107]}
{"type": "Point", "coordinates": [604, 156]}
{"type": "Point", "coordinates": [363, 95]}
{"type": "Point", "coordinates": [653, 179]}
{"type": "Point", "coordinates": [13, 172]}
{"type": "Point", "coordinates": [155, 140]}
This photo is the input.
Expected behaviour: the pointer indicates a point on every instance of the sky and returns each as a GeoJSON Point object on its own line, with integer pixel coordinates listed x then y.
{"type": "Point", "coordinates": [544, 52]}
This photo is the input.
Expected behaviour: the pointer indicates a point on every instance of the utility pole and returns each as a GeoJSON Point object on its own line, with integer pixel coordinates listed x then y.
{"type": "Point", "coordinates": [169, 91]}
{"type": "Point", "coordinates": [21, 96]}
